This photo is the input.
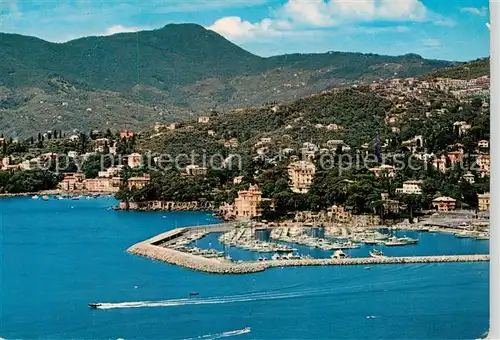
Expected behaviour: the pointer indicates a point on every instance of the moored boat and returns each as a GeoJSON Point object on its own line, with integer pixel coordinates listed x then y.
{"type": "Point", "coordinates": [376, 253]}
{"type": "Point", "coordinates": [339, 254]}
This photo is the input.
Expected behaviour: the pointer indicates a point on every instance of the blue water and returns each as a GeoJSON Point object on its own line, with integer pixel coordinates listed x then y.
{"type": "Point", "coordinates": [57, 256]}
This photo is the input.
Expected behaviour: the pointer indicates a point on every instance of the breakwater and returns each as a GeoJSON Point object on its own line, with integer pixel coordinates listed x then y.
{"type": "Point", "coordinates": [157, 248]}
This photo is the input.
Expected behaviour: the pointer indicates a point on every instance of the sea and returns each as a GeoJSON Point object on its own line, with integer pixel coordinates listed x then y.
{"type": "Point", "coordinates": [59, 255]}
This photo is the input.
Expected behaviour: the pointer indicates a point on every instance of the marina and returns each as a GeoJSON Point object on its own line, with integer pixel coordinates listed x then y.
{"type": "Point", "coordinates": [170, 247]}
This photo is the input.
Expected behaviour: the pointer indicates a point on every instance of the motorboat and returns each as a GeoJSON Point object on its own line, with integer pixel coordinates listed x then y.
{"type": "Point", "coordinates": [45, 197]}
{"type": "Point", "coordinates": [376, 253]}
{"type": "Point", "coordinates": [339, 254]}
{"type": "Point", "coordinates": [408, 240]}
{"type": "Point", "coordinates": [34, 197]}
{"type": "Point", "coordinates": [194, 294]}
{"type": "Point", "coordinates": [394, 241]}
{"type": "Point", "coordinates": [95, 305]}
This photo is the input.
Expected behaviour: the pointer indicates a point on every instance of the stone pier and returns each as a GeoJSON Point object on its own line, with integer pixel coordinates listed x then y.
{"type": "Point", "coordinates": [152, 249]}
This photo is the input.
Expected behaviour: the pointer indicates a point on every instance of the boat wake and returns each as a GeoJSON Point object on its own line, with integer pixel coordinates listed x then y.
{"type": "Point", "coordinates": [223, 334]}
{"type": "Point", "coordinates": [383, 285]}
{"type": "Point", "coordinates": [207, 301]}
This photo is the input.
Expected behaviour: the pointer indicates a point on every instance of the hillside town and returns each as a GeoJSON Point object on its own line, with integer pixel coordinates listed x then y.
{"type": "Point", "coordinates": [131, 170]}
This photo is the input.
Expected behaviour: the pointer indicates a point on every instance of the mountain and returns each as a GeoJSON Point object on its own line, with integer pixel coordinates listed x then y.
{"type": "Point", "coordinates": [134, 79]}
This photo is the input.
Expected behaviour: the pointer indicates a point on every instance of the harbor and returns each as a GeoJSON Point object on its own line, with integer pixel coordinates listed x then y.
{"type": "Point", "coordinates": [177, 247]}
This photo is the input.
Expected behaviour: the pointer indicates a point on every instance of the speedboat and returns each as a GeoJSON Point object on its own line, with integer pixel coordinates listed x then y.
{"type": "Point", "coordinates": [339, 254]}
{"type": "Point", "coordinates": [95, 305]}
{"type": "Point", "coordinates": [376, 253]}
{"type": "Point", "coordinates": [194, 294]}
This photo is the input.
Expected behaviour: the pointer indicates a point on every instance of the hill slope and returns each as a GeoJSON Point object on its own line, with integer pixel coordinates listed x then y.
{"type": "Point", "coordinates": [176, 69]}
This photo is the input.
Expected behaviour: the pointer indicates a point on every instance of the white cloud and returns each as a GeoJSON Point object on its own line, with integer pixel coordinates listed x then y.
{"type": "Point", "coordinates": [234, 28]}
{"type": "Point", "coordinates": [335, 12]}
{"type": "Point", "coordinates": [305, 15]}
{"type": "Point", "coordinates": [483, 11]}
{"type": "Point", "coordinates": [430, 42]}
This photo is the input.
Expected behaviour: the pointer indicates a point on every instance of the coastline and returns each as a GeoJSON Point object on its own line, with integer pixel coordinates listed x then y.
{"type": "Point", "coordinates": [55, 192]}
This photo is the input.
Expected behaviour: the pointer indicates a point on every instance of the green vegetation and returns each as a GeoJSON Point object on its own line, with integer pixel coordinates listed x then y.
{"type": "Point", "coordinates": [27, 181]}
{"type": "Point", "coordinates": [135, 79]}
{"type": "Point", "coordinates": [469, 70]}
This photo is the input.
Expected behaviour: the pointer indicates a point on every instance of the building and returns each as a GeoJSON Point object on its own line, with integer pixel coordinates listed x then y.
{"type": "Point", "coordinates": [106, 185]}
{"type": "Point", "coordinates": [134, 160]}
{"type": "Point", "coordinates": [469, 177]}
{"type": "Point", "coordinates": [462, 127]}
{"type": "Point", "coordinates": [384, 171]}
{"type": "Point", "coordinates": [444, 203]}
{"type": "Point", "coordinates": [138, 182]}
{"type": "Point", "coordinates": [110, 172]}
{"type": "Point", "coordinates": [483, 201]}
{"type": "Point", "coordinates": [30, 164]}
{"type": "Point", "coordinates": [73, 182]}
{"type": "Point", "coordinates": [126, 134]}
{"type": "Point", "coordinates": [455, 157]}
{"type": "Point", "coordinates": [101, 144]}
{"type": "Point", "coordinates": [72, 154]}
{"type": "Point", "coordinates": [232, 143]}
{"type": "Point", "coordinates": [339, 214]}
{"type": "Point", "coordinates": [301, 175]}
{"type": "Point", "coordinates": [483, 162]}
{"type": "Point", "coordinates": [246, 205]}
{"type": "Point", "coordinates": [411, 187]}
{"type": "Point", "coordinates": [195, 170]}
{"type": "Point", "coordinates": [203, 119]}
{"type": "Point", "coordinates": [483, 144]}
{"type": "Point", "coordinates": [391, 206]}
{"type": "Point", "coordinates": [440, 164]}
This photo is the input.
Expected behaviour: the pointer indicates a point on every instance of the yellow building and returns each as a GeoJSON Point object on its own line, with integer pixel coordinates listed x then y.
{"type": "Point", "coordinates": [301, 175]}
{"type": "Point", "coordinates": [72, 182]}
{"type": "Point", "coordinates": [106, 185]}
{"type": "Point", "coordinates": [246, 205]}
{"type": "Point", "coordinates": [138, 182]}
{"type": "Point", "coordinates": [483, 201]}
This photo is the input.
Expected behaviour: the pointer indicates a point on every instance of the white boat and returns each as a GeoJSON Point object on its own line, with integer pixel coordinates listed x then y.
{"type": "Point", "coordinates": [464, 234]}
{"type": "Point", "coordinates": [483, 237]}
{"type": "Point", "coordinates": [45, 197]}
{"type": "Point", "coordinates": [276, 257]}
{"type": "Point", "coordinates": [376, 253]}
{"type": "Point", "coordinates": [393, 242]}
{"type": "Point", "coordinates": [35, 197]}
{"type": "Point", "coordinates": [408, 240]}
{"type": "Point", "coordinates": [339, 254]}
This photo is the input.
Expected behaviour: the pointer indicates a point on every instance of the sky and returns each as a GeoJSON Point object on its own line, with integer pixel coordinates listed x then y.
{"type": "Point", "coordinates": [435, 29]}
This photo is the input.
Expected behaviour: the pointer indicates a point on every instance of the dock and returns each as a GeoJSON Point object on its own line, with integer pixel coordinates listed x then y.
{"type": "Point", "coordinates": [156, 248]}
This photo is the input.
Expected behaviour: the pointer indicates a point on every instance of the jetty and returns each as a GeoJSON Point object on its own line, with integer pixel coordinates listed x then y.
{"type": "Point", "coordinates": [157, 248]}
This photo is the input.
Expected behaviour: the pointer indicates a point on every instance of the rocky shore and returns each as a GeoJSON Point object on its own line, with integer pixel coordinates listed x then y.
{"type": "Point", "coordinates": [166, 206]}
